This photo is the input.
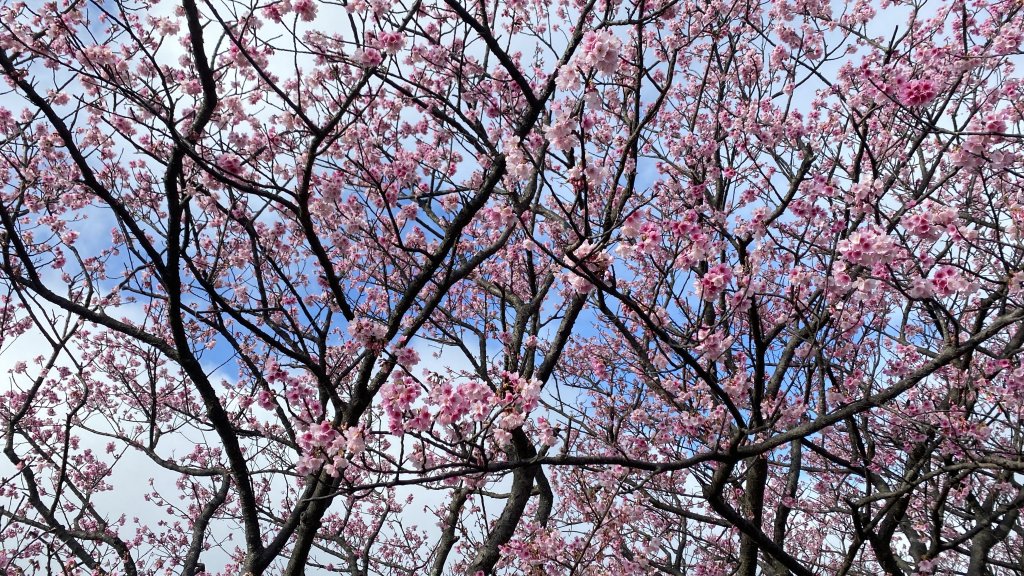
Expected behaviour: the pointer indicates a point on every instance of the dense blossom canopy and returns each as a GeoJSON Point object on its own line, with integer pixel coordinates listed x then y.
{"type": "Point", "coordinates": [580, 287]}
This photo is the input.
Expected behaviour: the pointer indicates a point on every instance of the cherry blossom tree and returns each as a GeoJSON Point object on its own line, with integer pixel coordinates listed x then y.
{"type": "Point", "coordinates": [625, 287]}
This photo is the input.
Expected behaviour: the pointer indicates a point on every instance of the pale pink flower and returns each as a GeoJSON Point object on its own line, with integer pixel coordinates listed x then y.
{"type": "Point", "coordinates": [407, 357]}
{"type": "Point", "coordinates": [517, 164]}
{"type": "Point", "coordinates": [568, 77]}
{"type": "Point", "coordinates": [367, 332]}
{"type": "Point", "coordinates": [631, 226]}
{"type": "Point", "coordinates": [917, 92]}
{"type": "Point", "coordinates": [600, 49]}
{"type": "Point", "coordinates": [354, 441]}
{"type": "Point", "coordinates": [594, 260]}
{"type": "Point", "coordinates": [421, 421]}
{"type": "Point", "coordinates": [560, 133]}
{"type": "Point", "coordinates": [1016, 283]}
{"type": "Point", "coordinates": [392, 42]}
{"type": "Point", "coordinates": [367, 57]}
{"type": "Point", "coordinates": [865, 192]}
{"type": "Point", "coordinates": [921, 288]}
{"type": "Point", "coordinates": [867, 246]}
{"type": "Point", "coordinates": [714, 282]}
{"type": "Point", "coordinates": [947, 281]}
{"type": "Point", "coordinates": [306, 9]}
{"type": "Point", "coordinates": [230, 163]}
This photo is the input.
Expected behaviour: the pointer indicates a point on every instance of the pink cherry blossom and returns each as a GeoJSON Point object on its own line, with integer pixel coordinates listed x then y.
{"type": "Point", "coordinates": [917, 92]}
{"type": "Point", "coordinates": [561, 133]}
{"type": "Point", "coordinates": [947, 281]}
{"type": "Point", "coordinates": [601, 49]}
{"type": "Point", "coordinates": [392, 42]}
{"type": "Point", "coordinates": [528, 287]}
{"type": "Point", "coordinates": [306, 9]}
{"type": "Point", "coordinates": [407, 357]}
{"type": "Point", "coordinates": [594, 261]}
{"type": "Point", "coordinates": [715, 281]}
{"type": "Point", "coordinates": [867, 246]}
{"type": "Point", "coordinates": [368, 332]}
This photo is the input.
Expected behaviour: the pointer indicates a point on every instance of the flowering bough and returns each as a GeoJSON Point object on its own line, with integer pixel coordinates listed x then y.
{"type": "Point", "coordinates": [432, 287]}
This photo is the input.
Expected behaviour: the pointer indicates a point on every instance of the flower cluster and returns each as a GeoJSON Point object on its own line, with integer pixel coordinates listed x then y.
{"type": "Point", "coordinates": [1015, 380]}
{"type": "Point", "coordinates": [560, 132]}
{"type": "Point", "coordinates": [517, 164]}
{"type": "Point", "coordinates": [473, 399]}
{"type": "Point", "coordinates": [521, 397]}
{"type": "Point", "coordinates": [696, 242]}
{"type": "Point", "coordinates": [979, 145]}
{"type": "Point", "coordinates": [367, 57]}
{"type": "Point", "coordinates": [230, 163]}
{"type": "Point", "coordinates": [367, 332]}
{"type": "Point", "coordinates": [391, 42]}
{"type": "Point", "coordinates": [714, 282]}
{"type": "Point", "coordinates": [304, 9]}
{"type": "Point", "coordinates": [865, 192]}
{"type": "Point", "coordinates": [946, 281]}
{"type": "Point", "coordinates": [568, 78]}
{"type": "Point", "coordinates": [407, 357]}
{"type": "Point", "coordinates": [644, 237]}
{"type": "Point", "coordinates": [397, 398]}
{"type": "Point", "coordinates": [324, 445]}
{"type": "Point", "coordinates": [929, 223]}
{"type": "Point", "coordinates": [867, 246]}
{"type": "Point", "coordinates": [917, 92]}
{"type": "Point", "coordinates": [497, 217]}
{"type": "Point", "coordinates": [601, 50]}
{"type": "Point", "coordinates": [594, 260]}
